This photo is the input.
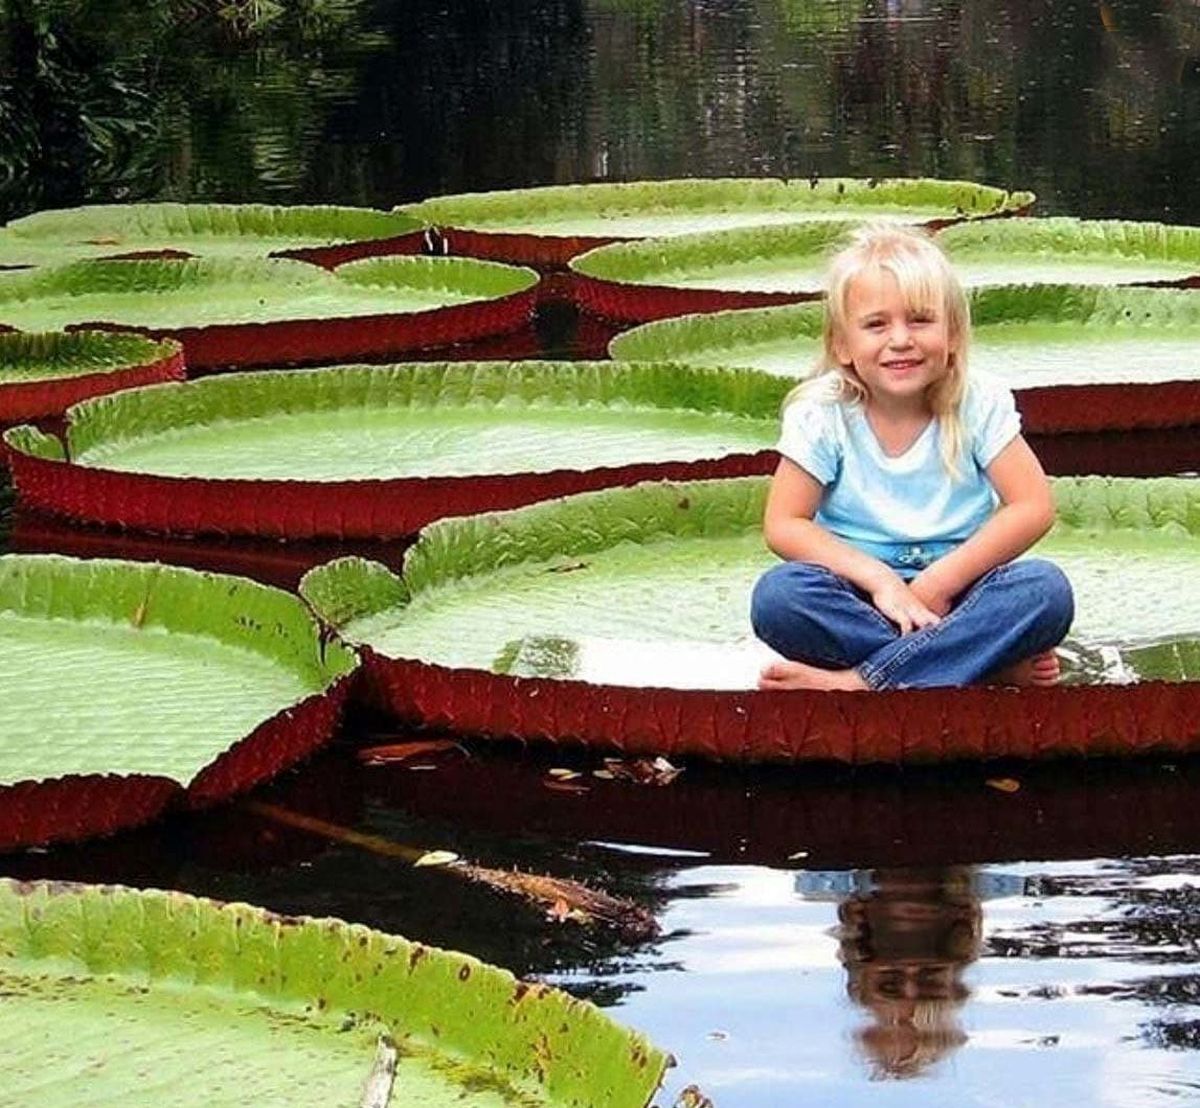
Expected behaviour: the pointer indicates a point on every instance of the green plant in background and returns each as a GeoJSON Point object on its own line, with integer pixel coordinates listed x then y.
{"type": "Point", "coordinates": [102, 105]}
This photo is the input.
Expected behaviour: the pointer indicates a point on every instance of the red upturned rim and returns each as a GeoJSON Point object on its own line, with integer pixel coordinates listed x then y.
{"type": "Point", "coordinates": [268, 562]}
{"type": "Point", "coordinates": [338, 253]}
{"type": "Point", "coordinates": [300, 341]}
{"type": "Point", "coordinates": [39, 399]}
{"type": "Point", "coordinates": [548, 253]}
{"type": "Point", "coordinates": [77, 807]}
{"type": "Point", "coordinates": [896, 726]}
{"type": "Point", "coordinates": [626, 302]}
{"type": "Point", "coordinates": [545, 253]}
{"type": "Point", "coordinates": [1145, 453]}
{"type": "Point", "coordinates": [1110, 407]}
{"type": "Point", "coordinates": [370, 509]}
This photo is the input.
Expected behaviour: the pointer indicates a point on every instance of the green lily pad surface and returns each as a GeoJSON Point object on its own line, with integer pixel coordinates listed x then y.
{"type": "Point", "coordinates": [164, 295]}
{"type": "Point", "coordinates": [1072, 251]}
{"type": "Point", "coordinates": [449, 419]}
{"type": "Point", "coordinates": [1029, 336]}
{"type": "Point", "coordinates": [132, 668]}
{"type": "Point", "coordinates": [788, 259]}
{"type": "Point", "coordinates": [63, 235]}
{"type": "Point", "coordinates": [51, 356]}
{"type": "Point", "coordinates": [145, 998]}
{"type": "Point", "coordinates": [657, 208]}
{"type": "Point", "coordinates": [615, 587]}
{"type": "Point", "coordinates": [792, 260]}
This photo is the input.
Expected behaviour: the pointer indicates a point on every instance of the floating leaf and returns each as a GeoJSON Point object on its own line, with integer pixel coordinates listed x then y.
{"type": "Point", "coordinates": [256, 1009]}
{"type": "Point", "coordinates": [249, 311]}
{"type": "Point", "coordinates": [674, 580]}
{"type": "Point", "coordinates": [548, 225]}
{"type": "Point", "coordinates": [1003, 784]}
{"type": "Point", "coordinates": [100, 230]}
{"type": "Point", "coordinates": [401, 752]}
{"type": "Point", "coordinates": [1051, 338]}
{"type": "Point", "coordinates": [221, 664]}
{"type": "Point", "coordinates": [382, 450]}
{"type": "Point", "coordinates": [43, 374]}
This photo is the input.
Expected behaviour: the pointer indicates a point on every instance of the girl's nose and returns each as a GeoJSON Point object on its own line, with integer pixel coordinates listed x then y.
{"type": "Point", "coordinates": [899, 336]}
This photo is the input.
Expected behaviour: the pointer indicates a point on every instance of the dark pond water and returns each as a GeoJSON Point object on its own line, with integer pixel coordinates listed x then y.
{"type": "Point", "coordinates": [827, 937]}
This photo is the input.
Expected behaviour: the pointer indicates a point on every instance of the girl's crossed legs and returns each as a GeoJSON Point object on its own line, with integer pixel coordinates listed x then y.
{"type": "Point", "coordinates": [1012, 613]}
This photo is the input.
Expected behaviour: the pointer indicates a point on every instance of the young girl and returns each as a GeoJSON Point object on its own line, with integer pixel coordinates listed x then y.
{"type": "Point", "coordinates": [904, 491]}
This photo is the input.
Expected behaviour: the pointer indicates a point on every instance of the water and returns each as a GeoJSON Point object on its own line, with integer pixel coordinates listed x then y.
{"type": "Point", "coordinates": [917, 937]}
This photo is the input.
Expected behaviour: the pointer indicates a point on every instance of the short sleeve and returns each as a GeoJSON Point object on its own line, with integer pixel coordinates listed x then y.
{"type": "Point", "coordinates": [809, 438]}
{"type": "Point", "coordinates": [991, 419]}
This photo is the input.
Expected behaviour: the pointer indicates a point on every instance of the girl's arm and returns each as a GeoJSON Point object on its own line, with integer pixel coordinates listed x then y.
{"type": "Point", "coordinates": [1025, 514]}
{"type": "Point", "coordinates": [790, 532]}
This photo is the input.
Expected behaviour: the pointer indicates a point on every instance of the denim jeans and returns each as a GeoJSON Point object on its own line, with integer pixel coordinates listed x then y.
{"type": "Point", "coordinates": [810, 614]}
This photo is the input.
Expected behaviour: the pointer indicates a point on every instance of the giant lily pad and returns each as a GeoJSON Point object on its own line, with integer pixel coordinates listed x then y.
{"type": "Point", "coordinates": [43, 374]}
{"type": "Point", "coordinates": [620, 618]}
{"type": "Point", "coordinates": [120, 996]}
{"type": "Point", "coordinates": [1081, 358]}
{"type": "Point", "coordinates": [633, 282]}
{"type": "Point", "coordinates": [128, 686]}
{"type": "Point", "coordinates": [636, 282]}
{"type": "Point", "coordinates": [273, 311]}
{"type": "Point", "coordinates": [1074, 251]}
{"type": "Point", "coordinates": [379, 451]}
{"type": "Point", "coordinates": [326, 235]}
{"type": "Point", "coordinates": [548, 226]}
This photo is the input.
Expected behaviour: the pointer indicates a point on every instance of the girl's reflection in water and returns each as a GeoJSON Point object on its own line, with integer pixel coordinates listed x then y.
{"type": "Point", "coordinates": [905, 937]}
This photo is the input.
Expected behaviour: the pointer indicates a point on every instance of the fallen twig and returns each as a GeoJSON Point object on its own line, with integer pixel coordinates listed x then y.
{"type": "Point", "coordinates": [561, 899]}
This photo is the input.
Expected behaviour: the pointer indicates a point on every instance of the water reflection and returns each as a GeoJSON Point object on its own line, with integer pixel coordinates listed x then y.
{"type": "Point", "coordinates": [1096, 107]}
{"type": "Point", "coordinates": [905, 935]}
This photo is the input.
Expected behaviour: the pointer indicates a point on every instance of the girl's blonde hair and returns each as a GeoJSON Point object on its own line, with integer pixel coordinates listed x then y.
{"type": "Point", "coordinates": [927, 282]}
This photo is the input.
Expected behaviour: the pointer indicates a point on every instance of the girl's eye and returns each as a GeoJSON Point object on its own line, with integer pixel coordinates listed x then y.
{"type": "Point", "coordinates": [922, 317]}
{"type": "Point", "coordinates": [874, 324]}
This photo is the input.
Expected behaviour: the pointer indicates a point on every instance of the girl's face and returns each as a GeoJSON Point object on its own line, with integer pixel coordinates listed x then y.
{"type": "Point", "coordinates": [896, 350]}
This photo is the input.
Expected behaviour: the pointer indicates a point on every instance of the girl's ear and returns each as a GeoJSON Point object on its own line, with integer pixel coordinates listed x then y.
{"type": "Point", "coordinates": [841, 349]}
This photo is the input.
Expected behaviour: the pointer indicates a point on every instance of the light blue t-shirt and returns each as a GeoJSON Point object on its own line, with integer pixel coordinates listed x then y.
{"type": "Point", "coordinates": [907, 511]}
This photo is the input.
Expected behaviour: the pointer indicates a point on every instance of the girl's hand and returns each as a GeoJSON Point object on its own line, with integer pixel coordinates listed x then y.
{"type": "Point", "coordinates": [927, 590]}
{"type": "Point", "coordinates": [903, 607]}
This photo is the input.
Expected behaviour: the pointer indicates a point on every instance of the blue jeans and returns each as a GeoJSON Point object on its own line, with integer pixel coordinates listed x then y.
{"type": "Point", "coordinates": [810, 614]}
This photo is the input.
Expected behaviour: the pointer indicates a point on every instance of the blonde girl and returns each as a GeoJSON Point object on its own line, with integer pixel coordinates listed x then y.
{"type": "Point", "coordinates": [903, 494]}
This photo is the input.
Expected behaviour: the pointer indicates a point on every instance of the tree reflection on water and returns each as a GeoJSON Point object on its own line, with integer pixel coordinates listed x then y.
{"type": "Point", "coordinates": [1096, 107]}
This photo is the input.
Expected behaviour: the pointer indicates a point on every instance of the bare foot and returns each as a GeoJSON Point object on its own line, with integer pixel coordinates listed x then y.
{"type": "Point", "coordinates": [1042, 670]}
{"type": "Point", "coordinates": [797, 675]}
